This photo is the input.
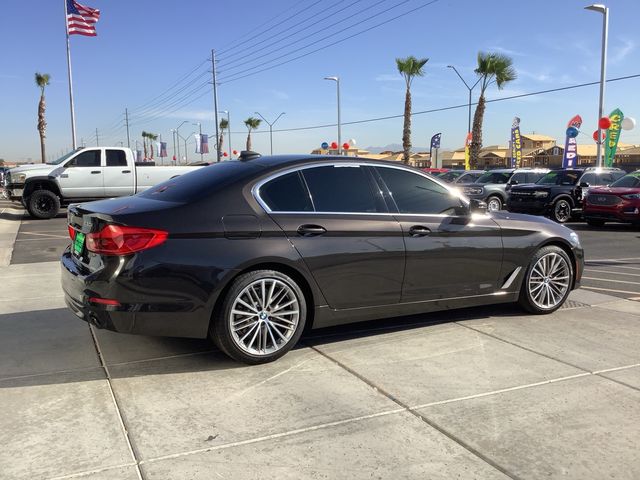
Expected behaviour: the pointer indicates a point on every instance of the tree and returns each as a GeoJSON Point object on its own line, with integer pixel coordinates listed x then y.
{"type": "Point", "coordinates": [492, 68]}
{"type": "Point", "coordinates": [145, 135]}
{"type": "Point", "coordinates": [224, 124]}
{"type": "Point", "coordinates": [252, 123]}
{"type": "Point", "coordinates": [42, 80]}
{"type": "Point", "coordinates": [152, 138]}
{"type": "Point", "coordinates": [409, 68]}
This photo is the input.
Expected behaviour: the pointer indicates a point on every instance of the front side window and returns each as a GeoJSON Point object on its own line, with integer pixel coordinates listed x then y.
{"type": "Point", "coordinates": [116, 158]}
{"type": "Point", "coordinates": [560, 178]}
{"type": "Point", "coordinates": [417, 194]}
{"type": "Point", "coordinates": [336, 188]}
{"type": "Point", "coordinates": [533, 177]}
{"type": "Point", "coordinates": [286, 194]}
{"type": "Point", "coordinates": [90, 158]}
{"type": "Point", "coordinates": [520, 177]}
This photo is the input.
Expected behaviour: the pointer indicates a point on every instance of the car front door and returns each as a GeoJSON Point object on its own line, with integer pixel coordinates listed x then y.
{"type": "Point", "coordinates": [118, 175]}
{"type": "Point", "coordinates": [338, 222]}
{"type": "Point", "coordinates": [81, 176]}
{"type": "Point", "coordinates": [449, 253]}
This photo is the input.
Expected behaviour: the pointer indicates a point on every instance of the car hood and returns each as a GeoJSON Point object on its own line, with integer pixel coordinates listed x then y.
{"type": "Point", "coordinates": [613, 190]}
{"type": "Point", "coordinates": [45, 169]}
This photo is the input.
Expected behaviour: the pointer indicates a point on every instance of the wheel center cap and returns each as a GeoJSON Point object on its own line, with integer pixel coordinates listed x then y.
{"type": "Point", "coordinates": [263, 315]}
{"type": "Point", "coordinates": [546, 280]}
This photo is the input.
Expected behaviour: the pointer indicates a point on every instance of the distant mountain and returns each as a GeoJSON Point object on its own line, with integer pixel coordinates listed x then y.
{"type": "Point", "coordinates": [395, 147]}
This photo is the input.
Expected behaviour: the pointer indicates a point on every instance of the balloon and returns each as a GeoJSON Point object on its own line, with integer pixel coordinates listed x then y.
{"type": "Point", "coordinates": [225, 154]}
{"type": "Point", "coordinates": [604, 123]}
{"type": "Point", "coordinates": [595, 136]}
{"type": "Point", "coordinates": [324, 145]}
{"type": "Point", "coordinates": [345, 146]}
{"type": "Point", "coordinates": [572, 132]}
{"type": "Point", "coordinates": [334, 145]}
{"type": "Point", "coordinates": [235, 152]}
{"type": "Point", "coordinates": [628, 123]}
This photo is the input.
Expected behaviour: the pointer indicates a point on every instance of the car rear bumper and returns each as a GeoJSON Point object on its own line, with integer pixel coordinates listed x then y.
{"type": "Point", "coordinates": [148, 305]}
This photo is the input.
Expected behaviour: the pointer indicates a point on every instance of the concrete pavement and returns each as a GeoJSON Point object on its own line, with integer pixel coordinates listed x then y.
{"type": "Point", "coordinates": [479, 393]}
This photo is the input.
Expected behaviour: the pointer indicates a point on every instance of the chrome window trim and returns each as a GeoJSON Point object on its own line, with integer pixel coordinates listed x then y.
{"type": "Point", "coordinates": [255, 190]}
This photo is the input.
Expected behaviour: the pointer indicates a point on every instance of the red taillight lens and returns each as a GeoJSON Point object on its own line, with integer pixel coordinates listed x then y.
{"type": "Point", "coordinates": [72, 232]}
{"type": "Point", "coordinates": [121, 240]}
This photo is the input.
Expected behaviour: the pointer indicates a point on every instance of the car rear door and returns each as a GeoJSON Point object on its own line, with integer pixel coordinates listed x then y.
{"type": "Point", "coordinates": [118, 174]}
{"type": "Point", "coordinates": [448, 254]}
{"type": "Point", "coordinates": [339, 225]}
{"type": "Point", "coordinates": [82, 176]}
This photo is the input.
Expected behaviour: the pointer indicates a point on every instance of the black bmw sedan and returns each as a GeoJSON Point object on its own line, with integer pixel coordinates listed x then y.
{"type": "Point", "coordinates": [250, 252]}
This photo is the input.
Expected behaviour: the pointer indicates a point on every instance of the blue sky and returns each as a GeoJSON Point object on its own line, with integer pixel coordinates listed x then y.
{"type": "Point", "coordinates": [144, 47]}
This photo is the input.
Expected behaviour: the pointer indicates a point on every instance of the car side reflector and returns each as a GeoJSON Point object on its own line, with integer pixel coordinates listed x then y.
{"type": "Point", "coordinates": [104, 301]}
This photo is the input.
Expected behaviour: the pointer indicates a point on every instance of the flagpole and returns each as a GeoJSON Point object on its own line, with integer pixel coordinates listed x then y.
{"type": "Point", "coordinates": [73, 114]}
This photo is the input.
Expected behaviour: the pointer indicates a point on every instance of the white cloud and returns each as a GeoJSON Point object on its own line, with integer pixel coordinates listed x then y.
{"type": "Point", "coordinates": [619, 53]}
{"type": "Point", "coordinates": [505, 51]}
{"type": "Point", "coordinates": [280, 95]}
{"type": "Point", "coordinates": [389, 77]}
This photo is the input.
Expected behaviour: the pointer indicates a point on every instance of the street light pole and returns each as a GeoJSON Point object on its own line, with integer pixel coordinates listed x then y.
{"type": "Point", "coordinates": [178, 134]}
{"type": "Point", "coordinates": [470, 90]}
{"type": "Point", "coordinates": [270, 127]}
{"type": "Point", "coordinates": [228, 129]}
{"type": "Point", "coordinates": [337, 80]}
{"type": "Point", "coordinates": [603, 71]}
{"type": "Point", "coordinates": [186, 152]}
{"type": "Point", "coordinates": [173, 134]}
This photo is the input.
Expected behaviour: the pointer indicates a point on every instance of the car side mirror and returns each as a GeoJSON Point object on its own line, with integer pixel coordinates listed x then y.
{"type": "Point", "coordinates": [584, 185]}
{"type": "Point", "coordinates": [513, 182]}
{"type": "Point", "coordinates": [477, 206]}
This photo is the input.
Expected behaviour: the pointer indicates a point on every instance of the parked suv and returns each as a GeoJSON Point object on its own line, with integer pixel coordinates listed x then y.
{"type": "Point", "coordinates": [493, 185]}
{"type": "Point", "coordinates": [619, 202]}
{"type": "Point", "coordinates": [560, 192]}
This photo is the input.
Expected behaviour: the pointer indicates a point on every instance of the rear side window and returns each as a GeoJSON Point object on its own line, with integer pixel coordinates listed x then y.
{"type": "Point", "coordinates": [286, 194]}
{"type": "Point", "coordinates": [90, 158]}
{"type": "Point", "coordinates": [533, 177]}
{"type": "Point", "coordinates": [519, 177]}
{"type": "Point", "coordinates": [414, 193]}
{"type": "Point", "coordinates": [340, 189]}
{"type": "Point", "coordinates": [116, 158]}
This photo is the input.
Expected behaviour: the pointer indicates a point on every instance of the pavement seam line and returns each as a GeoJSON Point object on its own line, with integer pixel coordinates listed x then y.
{"type": "Point", "coordinates": [273, 436]}
{"type": "Point", "coordinates": [116, 404]}
{"type": "Point", "coordinates": [84, 473]}
{"type": "Point", "coordinates": [420, 416]}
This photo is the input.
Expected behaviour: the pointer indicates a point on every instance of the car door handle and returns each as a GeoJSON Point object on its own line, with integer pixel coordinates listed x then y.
{"type": "Point", "coordinates": [419, 231]}
{"type": "Point", "coordinates": [126, 171]}
{"type": "Point", "coordinates": [95, 171]}
{"type": "Point", "coordinates": [311, 230]}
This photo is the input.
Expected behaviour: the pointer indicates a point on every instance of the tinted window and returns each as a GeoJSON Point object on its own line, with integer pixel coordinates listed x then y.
{"type": "Point", "coordinates": [450, 176]}
{"type": "Point", "coordinates": [468, 178]}
{"type": "Point", "coordinates": [533, 177]}
{"type": "Point", "coordinates": [416, 194]}
{"type": "Point", "coordinates": [116, 158]}
{"type": "Point", "coordinates": [630, 181]}
{"type": "Point", "coordinates": [90, 158]}
{"type": "Point", "coordinates": [560, 177]}
{"type": "Point", "coordinates": [286, 194]}
{"type": "Point", "coordinates": [607, 178]}
{"type": "Point", "coordinates": [202, 182]}
{"type": "Point", "coordinates": [589, 178]}
{"type": "Point", "coordinates": [520, 177]}
{"type": "Point", "coordinates": [340, 189]}
{"type": "Point", "coordinates": [494, 177]}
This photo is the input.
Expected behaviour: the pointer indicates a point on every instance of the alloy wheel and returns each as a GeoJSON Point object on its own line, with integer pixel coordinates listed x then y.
{"type": "Point", "coordinates": [548, 281]}
{"type": "Point", "coordinates": [264, 316]}
{"type": "Point", "coordinates": [494, 204]}
{"type": "Point", "coordinates": [562, 211]}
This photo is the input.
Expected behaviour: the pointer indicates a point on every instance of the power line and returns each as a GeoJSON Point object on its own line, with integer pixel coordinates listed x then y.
{"type": "Point", "coordinates": [451, 107]}
{"type": "Point", "coordinates": [238, 75]}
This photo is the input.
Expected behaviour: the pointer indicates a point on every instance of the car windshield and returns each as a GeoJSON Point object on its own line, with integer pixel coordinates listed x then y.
{"type": "Point", "coordinates": [628, 181]}
{"type": "Point", "coordinates": [64, 157]}
{"type": "Point", "coordinates": [559, 178]}
{"type": "Point", "coordinates": [494, 177]}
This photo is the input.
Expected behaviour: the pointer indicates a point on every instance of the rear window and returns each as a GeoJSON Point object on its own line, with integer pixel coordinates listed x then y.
{"type": "Point", "coordinates": [201, 182]}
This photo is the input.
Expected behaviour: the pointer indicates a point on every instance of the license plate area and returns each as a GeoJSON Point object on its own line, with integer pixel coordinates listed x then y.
{"type": "Point", "coordinates": [78, 244]}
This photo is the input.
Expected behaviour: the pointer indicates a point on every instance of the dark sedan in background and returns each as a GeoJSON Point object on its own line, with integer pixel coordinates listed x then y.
{"type": "Point", "coordinates": [250, 252]}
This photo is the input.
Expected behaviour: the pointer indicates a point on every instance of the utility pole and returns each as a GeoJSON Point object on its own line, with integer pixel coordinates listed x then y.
{"type": "Point", "coordinates": [215, 101]}
{"type": "Point", "coordinates": [126, 120]}
{"type": "Point", "coordinates": [97, 139]}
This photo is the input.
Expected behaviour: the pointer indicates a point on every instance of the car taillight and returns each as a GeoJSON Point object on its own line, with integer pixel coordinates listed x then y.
{"type": "Point", "coordinates": [72, 232]}
{"type": "Point", "coordinates": [121, 240]}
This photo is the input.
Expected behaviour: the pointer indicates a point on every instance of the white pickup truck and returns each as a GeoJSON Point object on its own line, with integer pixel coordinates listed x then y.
{"type": "Point", "coordinates": [81, 175]}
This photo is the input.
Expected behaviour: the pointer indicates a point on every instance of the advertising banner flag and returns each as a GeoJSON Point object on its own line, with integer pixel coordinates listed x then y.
{"type": "Point", "coordinates": [516, 144]}
{"type": "Point", "coordinates": [467, 153]}
{"type": "Point", "coordinates": [435, 140]}
{"type": "Point", "coordinates": [435, 145]}
{"type": "Point", "coordinates": [613, 135]}
{"type": "Point", "coordinates": [162, 149]}
{"type": "Point", "coordinates": [204, 143]}
{"type": "Point", "coordinates": [570, 156]}
{"type": "Point", "coordinates": [198, 142]}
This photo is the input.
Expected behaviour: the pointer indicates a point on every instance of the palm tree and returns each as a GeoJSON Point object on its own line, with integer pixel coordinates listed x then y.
{"type": "Point", "coordinates": [409, 68]}
{"type": "Point", "coordinates": [492, 68]}
{"type": "Point", "coordinates": [42, 80]}
{"type": "Point", "coordinates": [224, 124]}
{"type": "Point", "coordinates": [252, 123]}
{"type": "Point", "coordinates": [145, 135]}
{"type": "Point", "coordinates": [152, 138]}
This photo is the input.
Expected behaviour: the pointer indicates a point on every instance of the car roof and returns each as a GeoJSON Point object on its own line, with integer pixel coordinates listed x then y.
{"type": "Point", "coordinates": [277, 161]}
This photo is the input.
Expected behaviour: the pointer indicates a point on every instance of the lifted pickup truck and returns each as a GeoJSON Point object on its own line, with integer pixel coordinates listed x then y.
{"type": "Point", "coordinates": [81, 175]}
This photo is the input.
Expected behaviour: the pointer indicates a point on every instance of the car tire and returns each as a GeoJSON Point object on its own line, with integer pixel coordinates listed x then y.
{"type": "Point", "coordinates": [43, 204]}
{"type": "Point", "coordinates": [259, 336]}
{"type": "Point", "coordinates": [561, 211]}
{"type": "Point", "coordinates": [494, 203]}
{"type": "Point", "coordinates": [594, 222]}
{"type": "Point", "coordinates": [547, 281]}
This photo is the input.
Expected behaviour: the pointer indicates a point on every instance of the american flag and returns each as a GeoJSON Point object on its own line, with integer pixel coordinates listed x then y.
{"type": "Point", "coordinates": [81, 20]}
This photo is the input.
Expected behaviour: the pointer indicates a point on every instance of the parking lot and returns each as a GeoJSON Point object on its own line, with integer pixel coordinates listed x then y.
{"type": "Point", "coordinates": [477, 393]}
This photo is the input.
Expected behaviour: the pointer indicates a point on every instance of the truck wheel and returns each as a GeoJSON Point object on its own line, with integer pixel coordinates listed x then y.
{"type": "Point", "coordinates": [561, 211]}
{"type": "Point", "coordinates": [494, 203]}
{"type": "Point", "coordinates": [43, 204]}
